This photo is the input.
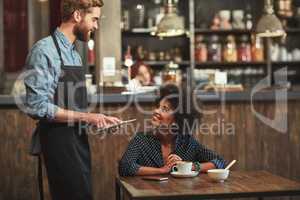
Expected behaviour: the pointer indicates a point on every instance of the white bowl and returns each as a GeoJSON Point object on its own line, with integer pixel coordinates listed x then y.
{"type": "Point", "coordinates": [218, 174]}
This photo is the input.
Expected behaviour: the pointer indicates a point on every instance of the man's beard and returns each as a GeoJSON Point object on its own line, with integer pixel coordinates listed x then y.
{"type": "Point", "coordinates": [81, 33]}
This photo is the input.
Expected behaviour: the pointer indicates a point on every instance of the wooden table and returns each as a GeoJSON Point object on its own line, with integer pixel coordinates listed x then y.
{"type": "Point", "coordinates": [239, 185]}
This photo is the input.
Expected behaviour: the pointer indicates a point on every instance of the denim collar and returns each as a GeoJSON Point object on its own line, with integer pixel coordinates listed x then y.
{"type": "Point", "coordinates": [63, 39]}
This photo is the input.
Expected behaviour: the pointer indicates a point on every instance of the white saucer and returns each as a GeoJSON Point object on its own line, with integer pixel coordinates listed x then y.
{"type": "Point", "coordinates": [181, 175]}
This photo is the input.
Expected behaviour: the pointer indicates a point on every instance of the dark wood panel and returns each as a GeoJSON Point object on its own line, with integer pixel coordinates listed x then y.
{"type": "Point", "coordinates": [55, 16]}
{"type": "Point", "coordinates": [253, 144]}
{"type": "Point", "coordinates": [15, 34]}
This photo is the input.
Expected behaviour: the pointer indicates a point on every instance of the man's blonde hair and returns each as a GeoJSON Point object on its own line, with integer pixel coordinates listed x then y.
{"type": "Point", "coordinates": [69, 6]}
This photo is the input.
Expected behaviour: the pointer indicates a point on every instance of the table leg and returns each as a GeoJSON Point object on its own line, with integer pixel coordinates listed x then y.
{"type": "Point", "coordinates": [118, 190]}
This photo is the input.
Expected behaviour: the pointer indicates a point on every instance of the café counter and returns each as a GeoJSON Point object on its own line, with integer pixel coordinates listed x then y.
{"type": "Point", "coordinates": [114, 98]}
{"type": "Point", "coordinates": [261, 131]}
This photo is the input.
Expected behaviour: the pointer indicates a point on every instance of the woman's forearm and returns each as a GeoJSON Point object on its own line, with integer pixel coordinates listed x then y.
{"type": "Point", "coordinates": [149, 171]}
{"type": "Point", "coordinates": [207, 166]}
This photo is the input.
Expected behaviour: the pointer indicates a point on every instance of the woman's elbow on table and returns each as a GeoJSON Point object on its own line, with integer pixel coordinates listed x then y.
{"type": "Point", "coordinates": [128, 168]}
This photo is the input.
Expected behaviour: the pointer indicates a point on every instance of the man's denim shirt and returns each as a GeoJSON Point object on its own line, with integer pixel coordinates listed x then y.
{"type": "Point", "coordinates": [43, 67]}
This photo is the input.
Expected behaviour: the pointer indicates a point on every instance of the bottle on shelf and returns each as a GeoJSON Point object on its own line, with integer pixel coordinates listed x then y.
{"type": "Point", "coordinates": [230, 50]}
{"type": "Point", "coordinates": [248, 18]}
{"type": "Point", "coordinates": [128, 62]}
{"type": "Point", "coordinates": [225, 16]}
{"type": "Point", "coordinates": [215, 49]}
{"type": "Point", "coordinates": [257, 49]}
{"type": "Point", "coordinates": [216, 22]}
{"type": "Point", "coordinates": [138, 13]}
{"type": "Point", "coordinates": [125, 24]}
{"type": "Point", "coordinates": [91, 52]}
{"type": "Point", "coordinates": [244, 49]}
{"type": "Point", "coordinates": [141, 54]}
{"type": "Point", "coordinates": [171, 73]}
{"type": "Point", "coordinates": [177, 56]}
{"type": "Point", "coordinates": [297, 17]}
{"type": "Point", "coordinates": [283, 52]}
{"type": "Point", "coordinates": [160, 15]}
{"type": "Point", "coordinates": [201, 49]}
{"type": "Point", "coordinates": [238, 20]}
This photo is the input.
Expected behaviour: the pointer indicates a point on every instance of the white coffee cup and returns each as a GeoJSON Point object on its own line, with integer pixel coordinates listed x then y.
{"type": "Point", "coordinates": [183, 167]}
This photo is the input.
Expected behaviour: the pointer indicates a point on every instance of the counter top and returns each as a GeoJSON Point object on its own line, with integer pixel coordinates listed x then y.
{"type": "Point", "coordinates": [7, 100]}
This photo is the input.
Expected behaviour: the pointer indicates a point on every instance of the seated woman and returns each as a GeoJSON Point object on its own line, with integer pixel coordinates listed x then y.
{"type": "Point", "coordinates": [169, 142]}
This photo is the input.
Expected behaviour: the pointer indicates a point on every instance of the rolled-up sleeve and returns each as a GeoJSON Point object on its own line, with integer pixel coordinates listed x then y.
{"type": "Point", "coordinates": [128, 165]}
{"type": "Point", "coordinates": [38, 82]}
{"type": "Point", "coordinates": [206, 155]}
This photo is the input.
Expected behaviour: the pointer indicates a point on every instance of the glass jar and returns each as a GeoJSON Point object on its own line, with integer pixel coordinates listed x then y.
{"type": "Point", "coordinates": [297, 17]}
{"type": "Point", "coordinates": [257, 50]}
{"type": "Point", "coordinates": [177, 55]}
{"type": "Point", "coordinates": [238, 19]}
{"type": "Point", "coordinates": [200, 50]}
{"type": "Point", "coordinates": [140, 53]}
{"type": "Point", "coordinates": [215, 49]}
{"type": "Point", "coordinates": [138, 14]}
{"type": "Point", "coordinates": [171, 73]}
{"type": "Point", "coordinates": [244, 49]}
{"type": "Point", "coordinates": [230, 51]}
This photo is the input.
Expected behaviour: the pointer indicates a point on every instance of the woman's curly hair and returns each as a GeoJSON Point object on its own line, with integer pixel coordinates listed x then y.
{"type": "Point", "coordinates": [181, 102]}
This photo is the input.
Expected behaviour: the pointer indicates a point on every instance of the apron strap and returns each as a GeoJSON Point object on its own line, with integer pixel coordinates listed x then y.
{"type": "Point", "coordinates": [58, 49]}
{"type": "Point", "coordinates": [40, 177]}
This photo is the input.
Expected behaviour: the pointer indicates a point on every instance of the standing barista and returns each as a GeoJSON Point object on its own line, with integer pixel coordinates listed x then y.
{"type": "Point", "coordinates": [56, 95]}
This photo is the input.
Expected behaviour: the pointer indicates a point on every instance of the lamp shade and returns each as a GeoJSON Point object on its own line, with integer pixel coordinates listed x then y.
{"type": "Point", "coordinates": [269, 25]}
{"type": "Point", "coordinates": [171, 24]}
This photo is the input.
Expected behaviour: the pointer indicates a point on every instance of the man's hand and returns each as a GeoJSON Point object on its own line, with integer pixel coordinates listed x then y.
{"type": "Point", "coordinates": [100, 120]}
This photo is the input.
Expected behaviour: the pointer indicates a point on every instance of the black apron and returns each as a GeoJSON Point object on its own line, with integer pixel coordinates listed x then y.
{"type": "Point", "coordinates": [64, 146]}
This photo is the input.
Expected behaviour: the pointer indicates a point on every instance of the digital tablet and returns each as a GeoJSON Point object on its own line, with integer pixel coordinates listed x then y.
{"type": "Point", "coordinates": [155, 178]}
{"type": "Point", "coordinates": [115, 126]}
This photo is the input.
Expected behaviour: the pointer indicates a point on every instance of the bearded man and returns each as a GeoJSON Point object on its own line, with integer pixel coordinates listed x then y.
{"type": "Point", "coordinates": [57, 97]}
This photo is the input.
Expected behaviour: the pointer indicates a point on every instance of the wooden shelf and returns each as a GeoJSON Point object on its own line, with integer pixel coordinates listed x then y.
{"type": "Point", "coordinates": [213, 65]}
{"type": "Point", "coordinates": [289, 64]}
{"type": "Point", "coordinates": [163, 63]}
{"type": "Point", "coordinates": [293, 30]}
{"type": "Point", "coordinates": [137, 33]}
{"type": "Point", "coordinates": [145, 33]}
{"type": "Point", "coordinates": [222, 32]}
{"type": "Point", "coordinates": [238, 32]}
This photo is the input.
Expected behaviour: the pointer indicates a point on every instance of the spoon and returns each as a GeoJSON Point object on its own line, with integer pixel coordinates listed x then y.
{"type": "Point", "coordinates": [230, 164]}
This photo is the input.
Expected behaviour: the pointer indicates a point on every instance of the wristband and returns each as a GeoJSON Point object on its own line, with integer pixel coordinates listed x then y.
{"type": "Point", "coordinates": [197, 166]}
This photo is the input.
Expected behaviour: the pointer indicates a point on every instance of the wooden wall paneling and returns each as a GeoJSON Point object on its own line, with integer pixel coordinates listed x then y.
{"type": "Point", "coordinates": [240, 132]}
{"type": "Point", "coordinates": [1, 40]}
{"type": "Point", "coordinates": [254, 145]}
{"type": "Point", "coordinates": [204, 135]}
{"type": "Point", "coordinates": [15, 42]}
{"type": "Point", "coordinates": [218, 133]}
{"type": "Point", "coordinates": [294, 142]}
{"type": "Point", "coordinates": [55, 16]}
{"type": "Point", "coordinates": [38, 20]}
{"type": "Point", "coordinates": [282, 148]}
{"type": "Point", "coordinates": [17, 174]}
{"type": "Point", "coordinates": [224, 119]}
{"type": "Point", "coordinates": [252, 140]}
